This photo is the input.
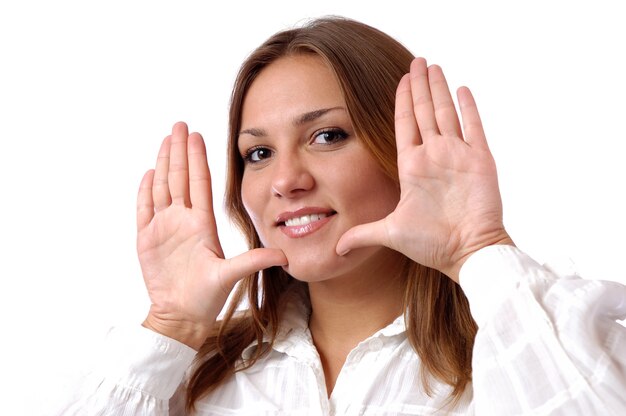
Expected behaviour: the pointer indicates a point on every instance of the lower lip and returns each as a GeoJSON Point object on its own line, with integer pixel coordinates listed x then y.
{"type": "Point", "coordinates": [298, 231]}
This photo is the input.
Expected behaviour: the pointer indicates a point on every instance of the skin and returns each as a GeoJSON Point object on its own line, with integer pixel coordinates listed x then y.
{"type": "Point", "coordinates": [305, 168]}
{"type": "Point", "coordinates": [448, 207]}
{"type": "Point", "coordinates": [352, 296]}
{"type": "Point", "coordinates": [447, 176]}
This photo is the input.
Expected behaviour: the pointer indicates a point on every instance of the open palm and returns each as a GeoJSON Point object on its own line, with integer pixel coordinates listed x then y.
{"type": "Point", "coordinates": [184, 269]}
{"type": "Point", "coordinates": [450, 204]}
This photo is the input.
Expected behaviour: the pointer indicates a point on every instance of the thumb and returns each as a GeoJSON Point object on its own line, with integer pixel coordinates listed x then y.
{"type": "Point", "coordinates": [363, 235]}
{"type": "Point", "coordinates": [250, 262]}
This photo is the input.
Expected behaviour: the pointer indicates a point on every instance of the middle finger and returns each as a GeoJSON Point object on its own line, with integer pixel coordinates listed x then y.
{"type": "Point", "coordinates": [445, 111]}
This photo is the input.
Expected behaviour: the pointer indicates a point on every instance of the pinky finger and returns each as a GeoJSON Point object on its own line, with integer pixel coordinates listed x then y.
{"type": "Point", "coordinates": [145, 204]}
{"type": "Point", "coordinates": [472, 125]}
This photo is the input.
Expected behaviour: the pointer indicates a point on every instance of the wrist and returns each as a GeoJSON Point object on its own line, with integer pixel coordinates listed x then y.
{"type": "Point", "coordinates": [455, 268]}
{"type": "Point", "coordinates": [189, 333]}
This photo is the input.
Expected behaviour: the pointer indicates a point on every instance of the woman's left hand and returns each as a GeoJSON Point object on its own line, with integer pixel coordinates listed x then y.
{"type": "Point", "coordinates": [450, 204]}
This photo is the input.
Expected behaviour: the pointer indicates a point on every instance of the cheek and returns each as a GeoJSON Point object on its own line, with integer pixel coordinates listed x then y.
{"type": "Point", "coordinates": [253, 203]}
{"type": "Point", "coordinates": [384, 200]}
{"type": "Point", "coordinates": [375, 190]}
{"type": "Point", "coordinates": [249, 191]}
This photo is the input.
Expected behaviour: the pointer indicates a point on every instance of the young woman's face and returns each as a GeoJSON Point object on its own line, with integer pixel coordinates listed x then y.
{"type": "Point", "coordinates": [307, 177]}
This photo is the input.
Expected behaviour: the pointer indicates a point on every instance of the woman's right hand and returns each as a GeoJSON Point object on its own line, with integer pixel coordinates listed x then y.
{"type": "Point", "coordinates": [184, 269]}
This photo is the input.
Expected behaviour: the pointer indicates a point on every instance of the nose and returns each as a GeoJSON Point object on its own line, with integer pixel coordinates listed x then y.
{"type": "Point", "coordinates": [291, 176]}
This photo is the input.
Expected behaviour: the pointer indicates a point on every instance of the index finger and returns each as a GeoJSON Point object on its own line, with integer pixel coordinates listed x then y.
{"type": "Point", "coordinates": [199, 175]}
{"type": "Point", "coordinates": [472, 125]}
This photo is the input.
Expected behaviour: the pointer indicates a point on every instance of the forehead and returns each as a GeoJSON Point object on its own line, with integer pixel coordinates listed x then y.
{"type": "Point", "coordinates": [288, 87]}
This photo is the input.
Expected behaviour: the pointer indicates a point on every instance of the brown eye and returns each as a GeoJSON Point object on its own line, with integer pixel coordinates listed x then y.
{"type": "Point", "coordinates": [257, 154]}
{"type": "Point", "coordinates": [329, 136]}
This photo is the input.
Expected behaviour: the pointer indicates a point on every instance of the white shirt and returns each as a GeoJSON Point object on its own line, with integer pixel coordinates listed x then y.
{"type": "Point", "coordinates": [546, 345]}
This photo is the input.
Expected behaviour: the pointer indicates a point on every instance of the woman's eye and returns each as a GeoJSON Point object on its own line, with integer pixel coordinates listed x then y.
{"type": "Point", "coordinates": [257, 154]}
{"type": "Point", "coordinates": [329, 136]}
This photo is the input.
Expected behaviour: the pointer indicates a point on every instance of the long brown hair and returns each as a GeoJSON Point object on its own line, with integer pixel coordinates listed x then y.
{"type": "Point", "coordinates": [368, 65]}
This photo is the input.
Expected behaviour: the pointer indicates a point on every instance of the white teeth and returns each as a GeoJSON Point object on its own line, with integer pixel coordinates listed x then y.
{"type": "Point", "coordinates": [305, 219]}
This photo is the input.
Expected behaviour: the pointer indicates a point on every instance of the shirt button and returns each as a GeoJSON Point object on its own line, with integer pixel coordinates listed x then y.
{"type": "Point", "coordinates": [375, 344]}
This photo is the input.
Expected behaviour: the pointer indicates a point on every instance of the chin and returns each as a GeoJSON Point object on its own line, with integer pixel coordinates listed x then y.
{"type": "Point", "coordinates": [326, 266]}
{"type": "Point", "coordinates": [307, 273]}
{"type": "Point", "coordinates": [312, 265]}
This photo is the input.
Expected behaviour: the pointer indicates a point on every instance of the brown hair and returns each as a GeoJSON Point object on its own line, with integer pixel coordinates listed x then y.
{"type": "Point", "coordinates": [368, 65]}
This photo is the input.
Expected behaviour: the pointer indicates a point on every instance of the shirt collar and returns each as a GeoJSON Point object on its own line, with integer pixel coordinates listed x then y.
{"type": "Point", "coordinates": [294, 328]}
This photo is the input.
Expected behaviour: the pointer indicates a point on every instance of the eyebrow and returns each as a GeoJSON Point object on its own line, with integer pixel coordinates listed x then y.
{"type": "Point", "coordinates": [300, 120]}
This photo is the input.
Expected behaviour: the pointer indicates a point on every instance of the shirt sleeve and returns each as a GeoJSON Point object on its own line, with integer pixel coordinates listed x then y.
{"type": "Point", "coordinates": [137, 373]}
{"type": "Point", "coordinates": [546, 344]}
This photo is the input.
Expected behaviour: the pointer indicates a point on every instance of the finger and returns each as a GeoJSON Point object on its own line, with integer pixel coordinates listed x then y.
{"type": "Point", "coordinates": [364, 235]}
{"type": "Point", "coordinates": [145, 204]}
{"type": "Point", "coordinates": [445, 111]}
{"type": "Point", "coordinates": [472, 125]}
{"type": "Point", "coordinates": [199, 175]}
{"type": "Point", "coordinates": [422, 100]}
{"type": "Point", "coordinates": [200, 184]}
{"type": "Point", "coordinates": [250, 262]}
{"type": "Point", "coordinates": [178, 175]}
{"type": "Point", "coordinates": [407, 133]}
{"type": "Point", "coordinates": [160, 187]}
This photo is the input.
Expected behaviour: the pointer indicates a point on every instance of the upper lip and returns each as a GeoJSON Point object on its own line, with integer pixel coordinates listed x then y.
{"type": "Point", "coordinates": [287, 215]}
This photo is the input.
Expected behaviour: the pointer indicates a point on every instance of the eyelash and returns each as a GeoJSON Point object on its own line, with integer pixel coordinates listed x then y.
{"type": "Point", "coordinates": [337, 133]}
{"type": "Point", "coordinates": [247, 157]}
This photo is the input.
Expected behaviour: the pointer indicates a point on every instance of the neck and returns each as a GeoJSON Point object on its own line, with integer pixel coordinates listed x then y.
{"type": "Point", "coordinates": [343, 312]}
{"type": "Point", "coordinates": [346, 310]}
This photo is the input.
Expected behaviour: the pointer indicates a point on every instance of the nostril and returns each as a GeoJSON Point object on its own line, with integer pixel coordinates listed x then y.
{"type": "Point", "coordinates": [276, 192]}
{"type": "Point", "coordinates": [290, 179]}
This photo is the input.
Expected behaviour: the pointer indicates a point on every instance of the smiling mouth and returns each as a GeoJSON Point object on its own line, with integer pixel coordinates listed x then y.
{"type": "Point", "coordinates": [305, 219]}
{"type": "Point", "coordinates": [298, 226]}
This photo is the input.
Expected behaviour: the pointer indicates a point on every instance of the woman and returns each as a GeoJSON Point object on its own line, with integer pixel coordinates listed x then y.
{"type": "Point", "coordinates": [365, 204]}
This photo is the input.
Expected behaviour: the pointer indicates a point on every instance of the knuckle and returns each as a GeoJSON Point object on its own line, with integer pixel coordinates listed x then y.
{"type": "Point", "coordinates": [403, 115]}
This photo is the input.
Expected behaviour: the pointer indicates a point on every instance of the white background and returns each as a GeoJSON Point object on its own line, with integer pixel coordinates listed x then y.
{"type": "Point", "coordinates": [88, 90]}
